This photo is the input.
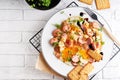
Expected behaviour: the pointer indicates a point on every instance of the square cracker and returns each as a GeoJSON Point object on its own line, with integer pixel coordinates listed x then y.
{"type": "Point", "coordinates": [102, 4]}
{"type": "Point", "coordinates": [95, 55]}
{"type": "Point", "coordinates": [83, 77]}
{"type": "Point", "coordinates": [74, 73]}
{"type": "Point", "coordinates": [87, 1]}
{"type": "Point", "coordinates": [80, 72]}
{"type": "Point", "coordinates": [87, 69]}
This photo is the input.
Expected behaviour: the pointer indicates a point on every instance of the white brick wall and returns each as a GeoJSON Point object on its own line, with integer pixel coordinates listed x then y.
{"type": "Point", "coordinates": [10, 37]}
{"type": "Point", "coordinates": [23, 73]}
{"type": "Point", "coordinates": [26, 36]}
{"type": "Point", "coordinates": [111, 72]}
{"type": "Point", "coordinates": [58, 78]}
{"type": "Point", "coordinates": [13, 48]}
{"type": "Point", "coordinates": [38, 15]}
{"type": "Point", "coordinates": [7, 14]}
{"type": "Point", "coordinates": [21, 25]}
{"type": "Point", "coordinates": [10, 4]}
{"type": "Point", "coordinates": [30, 60]}
{"type": "Point", "coordinates": [19, 22]}
{"type": "Point", "coordinates": [12, 60]}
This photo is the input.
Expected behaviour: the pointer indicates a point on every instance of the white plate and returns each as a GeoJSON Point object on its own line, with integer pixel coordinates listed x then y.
{"type": "Point", "coordinates": [47, 49]}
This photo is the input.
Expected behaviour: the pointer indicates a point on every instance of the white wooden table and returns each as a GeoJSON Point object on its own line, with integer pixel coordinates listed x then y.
{"type": "Point", "coordinates": [18, 23]}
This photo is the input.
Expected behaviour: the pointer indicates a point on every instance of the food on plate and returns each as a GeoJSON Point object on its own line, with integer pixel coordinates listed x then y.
{"type": "Point", "coordinates": [77, 41]}
{"type": "Point", "coordinates": [80, 72]}
{"type": "Point", "coordinates": [102, 4]}
{"type": "Point", "coordinates": [87, 1]}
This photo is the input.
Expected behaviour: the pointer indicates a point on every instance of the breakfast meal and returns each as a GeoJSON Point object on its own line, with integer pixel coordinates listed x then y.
{"type": "Point", "coordinates": [78, 42]}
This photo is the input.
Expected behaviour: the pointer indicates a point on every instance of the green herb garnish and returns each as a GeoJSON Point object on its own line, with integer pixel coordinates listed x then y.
{"type": "Point", "coordinates": [34, 3]}
{"type": "Point", "coordinates": [57, 25]}
{"type": "Point", "coordinates": [100, 29]}
{"type": "Point", "coordinates": [81, 20]}
{"type": "Point", "coordinates": [97, 40]}
{"type": "Point", "coordinates": [55, 43]}
{"type": "Point", "coordinates": [69, 59]}
{"type": "Point", "coordinates": [46, 3]}
{"type": "Point", "coordinates": [61, 12]}
{"type": "Point", "coordinates": [102, 42]}
{"type": "Point", "coordinates": [39, 4]}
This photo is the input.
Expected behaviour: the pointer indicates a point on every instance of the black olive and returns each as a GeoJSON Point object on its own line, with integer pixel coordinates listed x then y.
{"type": "Point", "coordinates": [81, 13]}
{"type": "Point", "coordinates": [91, 47]}
{"type": "Point", "coordinates": [101, 53]}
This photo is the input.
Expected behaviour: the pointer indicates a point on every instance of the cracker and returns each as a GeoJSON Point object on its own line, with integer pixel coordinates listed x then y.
{"type": "Point", "coordinates": [95, 55]}
{"type": "Point", "coordinates": [87, 69]}
{"type": "Point", "coordinates": [74, 73]}
{"type": "Point", "coordinates": [80, 73]}
{"type": "Point", "coordinates": [83, 77]}
{"type": "Point", "coordinates": [102, 4]}
{"type": "Point", "coordinates": [87, 1]}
